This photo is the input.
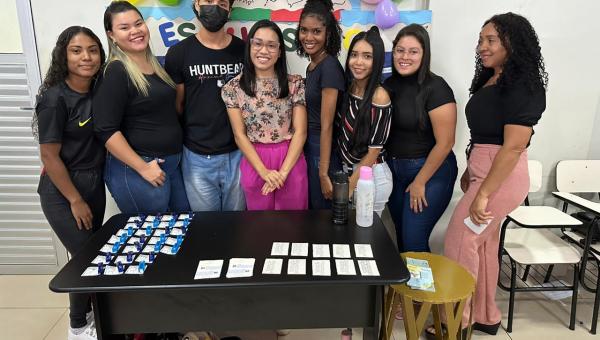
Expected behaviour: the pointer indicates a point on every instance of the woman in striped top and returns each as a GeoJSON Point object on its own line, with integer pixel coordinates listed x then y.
{"type": "Point", "coordinates": [365, 115]}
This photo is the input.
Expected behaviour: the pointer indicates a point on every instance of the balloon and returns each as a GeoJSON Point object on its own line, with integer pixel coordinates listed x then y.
{"type": "Point", "coordinates": [386, 14]}
{"type": "Point", "coordinates": [170, 2]}
{"type": "Point", "coordinates": [371, 2]}
{"type": "Point", "coordinates": [133, 2]}
{"type": "Point", "coordinates": [349, 35]}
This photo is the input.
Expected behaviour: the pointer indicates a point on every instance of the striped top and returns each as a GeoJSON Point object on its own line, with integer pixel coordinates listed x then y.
{"type": "Point", "coordinates": [381, 118]}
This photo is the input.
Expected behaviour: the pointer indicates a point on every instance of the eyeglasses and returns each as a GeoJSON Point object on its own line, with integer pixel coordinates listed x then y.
{"type": "Point", "coordinates": [258, 44]}
{"type": "Point", "coordinates": [399, 51]}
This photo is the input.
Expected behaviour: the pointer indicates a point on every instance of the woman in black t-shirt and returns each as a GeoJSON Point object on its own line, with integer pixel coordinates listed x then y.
{"type": "Point", "coordinates": [421, 138]}
{"type": "Point", "coordinates": [319, 38]}
{"type": "Point", "coordinates": [71, 188]}
{"type": "Point", "coordinates": [136, 119]}
{"type": "Point", "coordinates": [508, 98]}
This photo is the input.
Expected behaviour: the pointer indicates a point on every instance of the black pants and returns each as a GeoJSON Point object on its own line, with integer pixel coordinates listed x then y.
{"type": "Point", "coordinates": [57, 210]}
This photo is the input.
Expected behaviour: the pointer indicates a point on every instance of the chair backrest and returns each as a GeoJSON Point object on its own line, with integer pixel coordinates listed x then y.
{"type": "Point", "coordinates": [578, 176]}
{"type": "Point", "coordinates": [535, 175]}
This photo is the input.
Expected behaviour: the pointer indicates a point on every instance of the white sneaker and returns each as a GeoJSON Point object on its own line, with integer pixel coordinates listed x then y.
{"type": "Point", "coordinates": [88, 333]}
{"type": "Point", "coordinates": [89, 317]}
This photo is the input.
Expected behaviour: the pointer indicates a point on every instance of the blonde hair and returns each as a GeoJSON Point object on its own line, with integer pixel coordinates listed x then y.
{"type": "Point", "coordinates": [115, 53]}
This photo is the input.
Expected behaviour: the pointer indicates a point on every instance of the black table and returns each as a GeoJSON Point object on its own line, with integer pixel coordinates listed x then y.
{"type": "Point", "coordinates": [166, 298]}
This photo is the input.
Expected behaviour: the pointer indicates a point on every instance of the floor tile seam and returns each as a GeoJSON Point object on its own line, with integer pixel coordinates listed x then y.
{"type": "Point", "coordinates": [55, 323]}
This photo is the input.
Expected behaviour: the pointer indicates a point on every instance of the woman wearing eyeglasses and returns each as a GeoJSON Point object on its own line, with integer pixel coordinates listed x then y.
{"type": "Point", "coordinates": [268, 117]}
{"type": "Point", "coordinates": [421, 138]}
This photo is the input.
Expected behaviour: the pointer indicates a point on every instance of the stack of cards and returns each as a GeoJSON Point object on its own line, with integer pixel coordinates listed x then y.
{"type": "Point", "coordinates": [421, 276]}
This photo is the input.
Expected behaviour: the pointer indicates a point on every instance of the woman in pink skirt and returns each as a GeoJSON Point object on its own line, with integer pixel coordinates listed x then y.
{"type": "Point", "coordinates": [508, 98]}
{"type": "Point", "coordinates": [268, 117]}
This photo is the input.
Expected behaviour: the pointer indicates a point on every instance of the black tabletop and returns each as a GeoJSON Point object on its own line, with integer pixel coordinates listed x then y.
{"type": "Point", "coordinates": [242, 234]}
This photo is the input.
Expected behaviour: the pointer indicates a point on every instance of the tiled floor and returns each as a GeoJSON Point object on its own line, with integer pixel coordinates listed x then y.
{"type": "Point", "coordinates": [29, 311]}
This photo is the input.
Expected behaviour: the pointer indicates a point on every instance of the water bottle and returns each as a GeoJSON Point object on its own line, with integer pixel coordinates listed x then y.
{"type": "Point", "coordinates": [339, 205]}
{"type": "Point", "coordinates": [365, 192]}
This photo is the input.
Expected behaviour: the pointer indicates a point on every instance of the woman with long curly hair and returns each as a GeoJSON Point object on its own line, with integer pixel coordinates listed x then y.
{"type": "Point", "coordinates": [319, 38]}
{"type": "Point", "coordinates": [71, 188]}
{"type": "Point", "coordinates": [507, 100]}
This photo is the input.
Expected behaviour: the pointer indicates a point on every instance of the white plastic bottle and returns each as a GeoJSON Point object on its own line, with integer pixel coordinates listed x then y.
{"type": "Point", "coordinates": [365, 195]}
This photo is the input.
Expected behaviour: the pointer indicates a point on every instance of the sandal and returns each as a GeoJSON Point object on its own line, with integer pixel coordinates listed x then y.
{"type": "Point", "coordinates": [430, 331]}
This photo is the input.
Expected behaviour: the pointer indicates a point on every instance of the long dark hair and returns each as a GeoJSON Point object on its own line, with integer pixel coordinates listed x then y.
{"type": "Point", "coordinates": [323, 11]}
{"type": "Point", "coordinates": [362, 126]}
{"type": "Point", "coordinates": [248, 77]}
{"type": "Point", "coordinates": [58, 70]}
{"type": "Point", "coordinates": [424, 74]}
{"type": "Point", "coordinates": [524, 59]}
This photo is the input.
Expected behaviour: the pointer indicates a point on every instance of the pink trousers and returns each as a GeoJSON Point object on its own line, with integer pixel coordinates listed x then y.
{"type": "Point", "coordinates": [294, 193]}
{"type": "Point", "coordinates": [479, 253]}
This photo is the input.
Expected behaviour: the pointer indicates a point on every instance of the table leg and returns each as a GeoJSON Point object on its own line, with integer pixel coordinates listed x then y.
{"type": "Point", "coordinates": [97, 317]}
{"type": "Point", "coordinates": [454, 318]}
{"type": "Point", "coordinates": [373, 332]}
{"type": "Point", "coordinates": [437, 322]}
{"type": "Point", "coordinates": [408, 310]}
{"type": "Point", "coordinates": [389, 313]}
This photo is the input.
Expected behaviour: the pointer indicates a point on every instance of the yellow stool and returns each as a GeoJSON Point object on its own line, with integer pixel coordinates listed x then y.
{"type": "Point", "coordinates": [454, 285]}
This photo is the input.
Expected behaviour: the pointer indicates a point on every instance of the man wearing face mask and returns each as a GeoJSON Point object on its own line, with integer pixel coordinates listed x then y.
{"type": "Point", "coordinates": [200, 65]}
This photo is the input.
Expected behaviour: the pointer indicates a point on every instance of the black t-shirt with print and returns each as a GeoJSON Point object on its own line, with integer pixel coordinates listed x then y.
{"type": "Point", "coordinates": [65, 117]}
{"type": "Point", "coordinates": [203, 71]}
{"type": "Point", "coordinates": [149, 123]}
{"type": "Point", "coordinates": [489, 109]}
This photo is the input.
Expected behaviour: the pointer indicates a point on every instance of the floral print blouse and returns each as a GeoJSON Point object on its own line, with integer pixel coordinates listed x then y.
{"type": "Point", "coordinates": [268, 119]}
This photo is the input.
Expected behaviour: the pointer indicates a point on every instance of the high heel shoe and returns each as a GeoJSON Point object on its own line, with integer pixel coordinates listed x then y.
{"type": "Point", "coordinates": [489, 329]}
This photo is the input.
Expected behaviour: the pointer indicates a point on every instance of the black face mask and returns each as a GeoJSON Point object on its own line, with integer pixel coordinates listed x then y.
{"type": "Point", "coordinates": [213, 17]}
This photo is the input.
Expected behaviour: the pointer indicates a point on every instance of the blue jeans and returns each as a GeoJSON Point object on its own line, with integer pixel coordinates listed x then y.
{"type": "Point", "coordinates": [413, 229]}
{"type": "Point", "coordinates": [134, 194]}
{"type": "Point", "coordinates": [312, 153]}
{"type": "Point", "coordinates": [212, 182]}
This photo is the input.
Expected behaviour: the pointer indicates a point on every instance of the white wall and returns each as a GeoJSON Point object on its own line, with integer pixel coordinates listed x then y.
{"type": "Point", "coordinates": [568, 31]}
{"type": "Point", "coordinates": [9, 30]}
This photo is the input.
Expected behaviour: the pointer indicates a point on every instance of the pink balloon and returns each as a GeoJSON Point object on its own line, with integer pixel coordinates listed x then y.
{"type": "Point", "coordinates": [386, 14]}
{"type": "Point", "coordinates": [371, 2]}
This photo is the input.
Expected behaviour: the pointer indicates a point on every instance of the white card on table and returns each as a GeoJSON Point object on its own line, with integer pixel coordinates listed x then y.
{"type": "Point", "coordinates": [299, 249]}
{"type": "Point", "coordinates": [123, 259]}
{"type": "Point", "coordinates": [159, 232]}
{"type": "Point", "coordinates": [140, 232]}
{"type": "Point", "coordinates": [280, 248]}
{"type": "Point", "coordinates": [167, 250]}
{"type": "Point", "coordinates": [100, 259]}
{"type": "Point", "coordinates": [176, 232]}
{"type": "Point", "coordinates": [272, 266]}
{"type": "Point", "coordinates": [345, 267]}
{"type": "Point", "coordinates": [320, 250]}
{"type": "Point", "coordinates": [163, 224]}
{"type": "Point", "coordinates": [184, 216]}
{"type": "Point", "coordinates": [341, 251]}
{"type": "Point", "coordinates": [368, 268]}
{"type": "Point", "coordinates": [111, 270]}
{"type": "Point", "coordinates": [148, 249]}
{"type": "Point", "coordinates": [90, 271]}
{"type": "Point", "coordinates": [135, 270]}
{"type": "Point", "coordinates": [476, 228]}
{"type": "Point", "coordinates": [121, 232]}
{"type": "Point", "coordinates": [153, 240]}
{"type": "Point", "coordinates": [128, 249]}
{"type": "Point", "coordinates": [240, 267]}
{"type": "Point", "coordinates": [208, 269]}
{"type": "Point", "coordinates": [133, 240]}
{"type": "Point", "coordinates": [143, 257]}
{"type": "Point", "coordinates": [107, 248]}
{"type": "Point", "coordinates": [321, 268]}
{"type": "Point", "coordinates": [170, 241]}
{"type": "Point", "coordinates": [113, 239]}
{"type": "Point", "coordinates": [133, 225]}
{"type": "Point", "coordinates": [178, 224]}
{"type": "Point", "coordinates": [167, 217]}
{"type": "Point", "coordinates": [296, 267]}
{"type": "Point", "coordinates": [150, 218]}
{"type": "Point", "coordinates": [363, 250]}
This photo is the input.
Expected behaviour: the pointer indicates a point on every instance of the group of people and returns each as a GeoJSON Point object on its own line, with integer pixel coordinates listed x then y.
{"type": "Point", "coordinates": [224, 127]}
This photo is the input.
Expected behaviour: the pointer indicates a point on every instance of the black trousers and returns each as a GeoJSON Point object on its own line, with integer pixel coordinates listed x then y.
{"type": "Point", "coordinates": [57, 210]}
